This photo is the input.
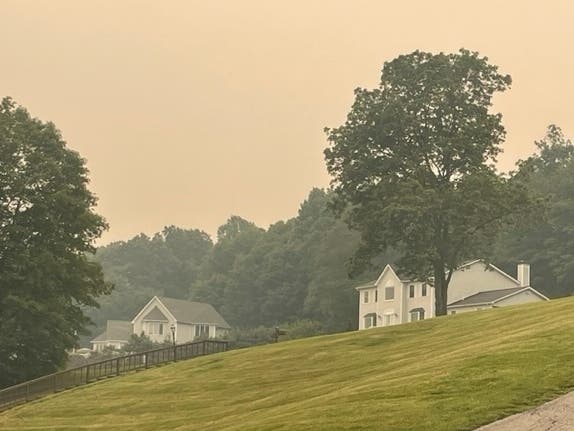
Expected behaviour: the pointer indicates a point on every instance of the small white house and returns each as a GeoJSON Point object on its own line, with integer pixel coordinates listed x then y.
{"type": "Point", "coordinates": [392, 299]}
{"type": "Point", "coordinates": [116, 335]}
{"type": "Point", "coordinates": [189, 320]}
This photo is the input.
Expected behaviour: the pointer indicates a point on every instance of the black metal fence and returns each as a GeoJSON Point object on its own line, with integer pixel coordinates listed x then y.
{"type": "Point", "coordinates": [62, 380]}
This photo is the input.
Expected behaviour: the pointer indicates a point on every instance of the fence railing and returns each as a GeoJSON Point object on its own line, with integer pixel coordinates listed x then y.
{"type": "Point", "coordinates": [72, 377]}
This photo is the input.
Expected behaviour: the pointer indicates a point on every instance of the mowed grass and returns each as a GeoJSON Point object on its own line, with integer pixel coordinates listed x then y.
{"type": "Point", "coordinates": [450, 373]}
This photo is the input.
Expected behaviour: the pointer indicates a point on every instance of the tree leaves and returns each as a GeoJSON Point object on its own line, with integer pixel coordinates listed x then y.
{"type": "Point", "coordinates": [414, 163]}
{"type": "Point", "coordinates": [47, 225]}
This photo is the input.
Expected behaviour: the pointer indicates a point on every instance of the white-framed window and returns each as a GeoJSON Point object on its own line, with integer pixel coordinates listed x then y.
{"type": "Point", "coordinates": [376, 295]}
{"type": "Point", "coordinates": [370, 320]}
{"type": "Point", "coordinates": [389, 293]}
{"type": "Point", "coordinates": [365, 296]}
{"type": "Point", "coordinates": [388, 319]}
{"type": "Point", "coordinates": [424, 289]}
{"type": "Point", "coordinates": [412, 291]}
{"type": "Point", "coordinates": [417, 314]}
{"type": "Point", "coordinates": [201, 329]}
{"type": "Point", "coordinates": [154, 328]}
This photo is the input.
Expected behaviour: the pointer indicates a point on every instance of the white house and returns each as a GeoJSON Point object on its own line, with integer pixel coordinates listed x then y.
{"type": "Point", "coordinates": [392, 299]}
{"type": "Point", "coordinates": [188, 320]}
{"type": "Point", "coordinates": [116, 335]}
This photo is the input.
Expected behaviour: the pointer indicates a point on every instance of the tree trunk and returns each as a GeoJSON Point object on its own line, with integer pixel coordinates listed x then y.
{"type": "Point", "coordinates": [440, 290]}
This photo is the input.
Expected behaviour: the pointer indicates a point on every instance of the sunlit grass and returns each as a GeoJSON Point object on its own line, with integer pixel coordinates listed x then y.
{"type": "Point", "coordinates": [453, 373]}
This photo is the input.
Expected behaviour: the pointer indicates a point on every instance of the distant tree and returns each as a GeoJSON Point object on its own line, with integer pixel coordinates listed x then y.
{"type": "Point", "coordinates": [142, 343]}
{"type": "Point", "coordinates": [47, 226]}
{"type": "Point", "coordinates": [547, 245]}
{"type": "Point", "coordinates": [414, 164]}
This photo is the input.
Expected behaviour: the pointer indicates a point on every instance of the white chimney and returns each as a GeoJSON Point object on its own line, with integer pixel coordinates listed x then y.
{"type": "Point", "coordinates": [523, 274]}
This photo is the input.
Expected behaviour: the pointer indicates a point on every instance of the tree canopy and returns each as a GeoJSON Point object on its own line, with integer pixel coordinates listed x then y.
{"type": "Point", "coordinates": [548, 244]}
{"type": "Point", "coordinates": [414, 164]}
{"type": "Point", "coordinates": [47, 226]}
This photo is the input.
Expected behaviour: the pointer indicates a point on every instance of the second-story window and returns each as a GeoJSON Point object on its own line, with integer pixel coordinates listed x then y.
{"type": "Point", "coordinates": [366, 296]}
{"type": "Point", "coordinates": [376, 295]}
{"type": "Point", "coordinates": [424, 289]}
{"type": "Point", "coordinates": [412, 291]}
{"type": "Point", "coordinates": [389, 293]}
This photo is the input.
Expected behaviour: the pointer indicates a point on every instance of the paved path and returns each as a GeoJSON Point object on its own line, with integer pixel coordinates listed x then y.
{"type": "Point", "coordinates": [556, 415]}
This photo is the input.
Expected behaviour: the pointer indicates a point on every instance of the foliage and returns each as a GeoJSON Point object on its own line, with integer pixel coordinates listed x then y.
{"type": "Point", "coordinates": [142, 343]}
{"type": "Point", "coordinates": [47, 226]}
{"type": "Point", "coordinates": [239, 338]}
{"type": "Point", "coordinates": [294, 270]}
{"type": "Point", "coordinates": [165, 265]}
{"type": "Point", "coordinates": [549, 244]}
{"type": "Point", "coordinates": [413, 377]}
{"type": "Point", "coordinates": [414, 164]}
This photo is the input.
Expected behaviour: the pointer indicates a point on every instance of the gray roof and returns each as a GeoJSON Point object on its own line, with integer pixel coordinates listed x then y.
{"type": "Point", "coordinates": [155, 314]}
{"type": "Point", "coordinates": [367, 285]}
{"type": "Point", "coordinates": [193, 312]}
{"type": "Point", "coordinates": [486, 297]}
{"type": "Point", "coordinates": [117, 330]}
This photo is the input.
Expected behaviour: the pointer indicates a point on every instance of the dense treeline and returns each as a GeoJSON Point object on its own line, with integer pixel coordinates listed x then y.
{"type": "Point", "coordinates": [297, 270]}
{"type": "Point", "coordinates": [292, 271]}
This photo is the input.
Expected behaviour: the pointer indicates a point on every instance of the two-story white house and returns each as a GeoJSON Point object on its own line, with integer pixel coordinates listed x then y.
{"type": "Point", "coordinates": [165, 319]}
{"type": "Point", "coordinates": [391, 299]}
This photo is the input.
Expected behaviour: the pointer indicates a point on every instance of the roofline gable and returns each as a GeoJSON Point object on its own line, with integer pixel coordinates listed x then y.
{"type": "Point", "coordinates": [492, 266]}
{"type": "Point", "coordinates": [520, 291]}
{"type": "Point", "coordinates": [158, 303]}
{"type": "Point", "coordinates": [494, 301]}
{"type": "Point", "coordinates": [387, 267]}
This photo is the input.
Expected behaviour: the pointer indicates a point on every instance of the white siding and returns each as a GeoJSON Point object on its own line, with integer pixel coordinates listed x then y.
{"type": "Point", "coordinates": [475, 278]}
{"type": "Point", "coordinates": [418, 301]}
{"type": "Point", "coordinates": [520, 298]}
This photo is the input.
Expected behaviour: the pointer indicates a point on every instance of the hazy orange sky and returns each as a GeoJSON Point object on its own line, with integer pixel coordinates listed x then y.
{"type": "Point", "coordinates": [190, 111]}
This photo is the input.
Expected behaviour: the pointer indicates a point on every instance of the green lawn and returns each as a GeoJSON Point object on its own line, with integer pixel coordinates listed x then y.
{"type": "Point", "coordinates": [452, 373]}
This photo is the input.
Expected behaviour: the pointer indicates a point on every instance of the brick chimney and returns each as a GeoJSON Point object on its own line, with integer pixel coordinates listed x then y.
{"type": "Point", "coordinates": [523, 274]}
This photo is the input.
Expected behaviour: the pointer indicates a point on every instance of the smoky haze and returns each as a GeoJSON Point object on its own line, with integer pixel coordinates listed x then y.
{"type": "Point", "coordinates": [190, 111]}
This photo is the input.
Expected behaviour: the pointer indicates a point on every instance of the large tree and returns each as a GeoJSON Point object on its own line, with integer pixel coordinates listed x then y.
{"type": "Point", "coordinates": [47, 226]}
{"type": "Point", "coordinates": [414, 164]}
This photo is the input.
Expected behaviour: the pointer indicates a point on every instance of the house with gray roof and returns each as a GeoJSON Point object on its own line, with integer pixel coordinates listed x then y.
{"type": "Point", "coordinates": [166, 319]}
{"type": "Point", "coordinates": [393, 299]}
{"type": "Point", "coordinates": [116, 335]}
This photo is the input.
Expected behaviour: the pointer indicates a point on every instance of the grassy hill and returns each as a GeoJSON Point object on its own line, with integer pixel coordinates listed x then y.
{"type": "Point", "coordinates": [452, 373]}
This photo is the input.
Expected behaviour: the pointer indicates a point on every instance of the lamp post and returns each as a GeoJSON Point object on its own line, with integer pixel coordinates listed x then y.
{"type": "Point", "coordinates": [172, 329]}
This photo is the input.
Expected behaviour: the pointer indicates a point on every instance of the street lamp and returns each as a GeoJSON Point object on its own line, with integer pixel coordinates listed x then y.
{"type": "Point", "coordinates": [172, 329]}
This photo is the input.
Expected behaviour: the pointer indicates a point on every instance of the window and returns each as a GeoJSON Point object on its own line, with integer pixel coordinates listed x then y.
{"type": "Point", "coordinates": [388, 319]}
{"type": "Point", "coordinates": [376, 295]}
{"type": "Point", "coordinates": [389, 293]}
{"type": "Point", "coordinates": [201, 329]}
{"type": "Point", "coordinates": [366, 296]}
{"type": "Point", "coordinates": [417, 314]}
{"type": "Point", "coordinates": [452, 311]}
{"type": "Point", "coordinates": [154, 328]}
{"type": "Point", "coordinates": [370, 320]}
{"type": "Point", "coordinates": [424, 289]}
{"type": "Point", "coordinates": [412, 291]}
